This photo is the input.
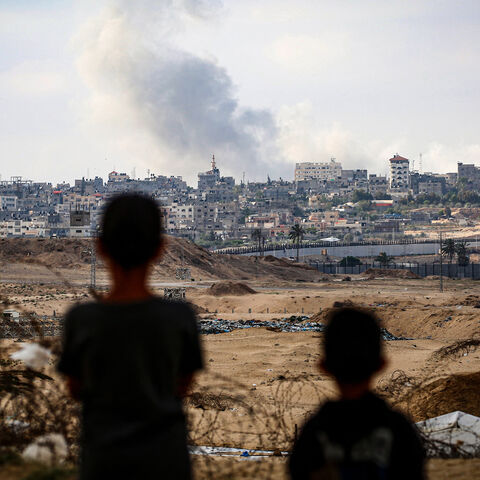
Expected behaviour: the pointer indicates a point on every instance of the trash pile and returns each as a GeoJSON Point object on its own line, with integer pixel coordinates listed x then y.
{"type": "Point", "coordinates": [290, 324]}
{"type": "Point", "coordinates": [209, 326]}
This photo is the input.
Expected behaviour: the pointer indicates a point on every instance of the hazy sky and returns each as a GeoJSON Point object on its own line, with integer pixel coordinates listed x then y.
{"type": "Point", "coordinates": [88, 86]}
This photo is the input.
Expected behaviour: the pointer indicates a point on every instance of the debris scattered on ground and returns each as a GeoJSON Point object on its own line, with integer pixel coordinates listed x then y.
{"type": "Point", "coordinates": [440, 323]}
{"type": "Point", "coordinates": [211, 326]}
{"type": "Point", "coordinates": [208, 326]}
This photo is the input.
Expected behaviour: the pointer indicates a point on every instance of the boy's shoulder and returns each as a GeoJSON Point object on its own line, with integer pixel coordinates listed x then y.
{"type": "Point", "coordinates": [155, 305]}
{"type": "Point", "coordinates": [364, 408]}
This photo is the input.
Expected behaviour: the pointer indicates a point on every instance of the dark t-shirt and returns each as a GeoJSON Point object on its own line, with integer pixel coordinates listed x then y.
{"type": "Point", "coordinates": [129, 358]}
{"type": "Point", "coordinates": [357, 439]}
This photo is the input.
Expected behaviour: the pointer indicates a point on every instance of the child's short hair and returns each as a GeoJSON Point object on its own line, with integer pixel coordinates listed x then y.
{"type": "Point", "coordinates": [352, 344]}
{"type": "Point", "coordinates": [131, 230]}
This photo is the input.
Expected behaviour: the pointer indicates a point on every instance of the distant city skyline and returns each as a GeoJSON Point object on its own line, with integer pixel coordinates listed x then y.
{"type": "Point", "coordinates": [161, 85]}
{"type": "Point", "coordinates": [143, 174]}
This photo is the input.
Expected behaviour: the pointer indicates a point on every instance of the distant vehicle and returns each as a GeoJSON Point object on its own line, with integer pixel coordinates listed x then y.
{"type": "Point", "coordinates": [11, 314]}
{"type": "Point", "coordinates": [292, 258]}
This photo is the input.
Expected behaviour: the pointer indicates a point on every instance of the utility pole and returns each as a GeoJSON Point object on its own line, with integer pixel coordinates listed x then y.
{"type": "Point", "coordinates": [441, 262]}
{"type": "Point", "coordinates": [93, 260]}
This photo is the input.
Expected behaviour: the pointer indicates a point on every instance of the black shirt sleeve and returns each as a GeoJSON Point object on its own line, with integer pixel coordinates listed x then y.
{"type": "Point", "coordinates": [69, 363]}
{"type": "Point", "coordinates": [192, 359]}
{"type": "Point", "coordinates": [306, 454]}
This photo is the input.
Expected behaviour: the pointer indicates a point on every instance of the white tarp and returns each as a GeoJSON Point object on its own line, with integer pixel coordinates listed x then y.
{"type": "Point", "coordinates": [455, 434]}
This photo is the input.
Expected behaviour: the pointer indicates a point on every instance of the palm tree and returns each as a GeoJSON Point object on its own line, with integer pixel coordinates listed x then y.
{"type": "Point", "coordinates": [257, 237]}
{"type": "Point", "coordinates": [296, 235]}
{"type": "Point", "coordinates": [383, 259]}
{"type": "Point", "coordinates": [461, 251]}
{"type": "Point", "coordinates": [449, 249]}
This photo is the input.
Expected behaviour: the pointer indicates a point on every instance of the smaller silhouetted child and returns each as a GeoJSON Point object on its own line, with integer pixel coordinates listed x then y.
{"type": "Point", "coordinates": [358, 436]}
{"type": "Point", "coordinates": [130, 357]}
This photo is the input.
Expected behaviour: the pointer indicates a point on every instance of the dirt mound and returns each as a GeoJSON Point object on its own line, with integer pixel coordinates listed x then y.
{"type": "Point", "coordinates": [322, 316]}
{"type": "Point", "coordinates": [445, 395]}
{"type": "Point", "coordinates": [230, 288]}
{"type": "Point", "coordinates": [389, 273]}
{"type": "Point", "coordinates": [61, 253]}
{"type": "Point", "coordinates": [470, 301]}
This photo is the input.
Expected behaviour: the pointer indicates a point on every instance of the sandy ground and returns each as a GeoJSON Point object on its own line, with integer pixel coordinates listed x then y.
{"type": "Point", "coordinates": [259, 385]}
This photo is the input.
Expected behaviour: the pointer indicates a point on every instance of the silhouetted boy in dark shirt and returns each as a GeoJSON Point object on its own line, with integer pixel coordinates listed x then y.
{"type": "Point", "coordinates": [358, 436]}
{"type": "Point", "coordinates": [130, 357]}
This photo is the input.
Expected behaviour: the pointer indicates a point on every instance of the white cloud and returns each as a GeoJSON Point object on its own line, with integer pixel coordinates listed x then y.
{"type": "Point", "coordinates": [439, 157]}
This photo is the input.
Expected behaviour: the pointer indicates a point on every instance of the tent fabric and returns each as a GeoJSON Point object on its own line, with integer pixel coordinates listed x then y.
{"type": "Point", "coordinates": [455, 434]}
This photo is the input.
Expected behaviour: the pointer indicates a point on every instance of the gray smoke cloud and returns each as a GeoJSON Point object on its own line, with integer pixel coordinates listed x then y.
{"type": "Point", "coordinates": [168, 105]}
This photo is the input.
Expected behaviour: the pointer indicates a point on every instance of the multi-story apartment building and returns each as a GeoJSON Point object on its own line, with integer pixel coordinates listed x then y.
{"type": "Point", "coordinates": [22, 228]}
{"type": "Point", "coordinates": [8, 202]}
{"type": "Point", "coordinates": [318, 171]}
{"type": "Point", "coordinates": [427, 183]}
{"type": "Point", "coordinates": [399, 168]}
{"type": "Point", "coordinates": [377, 185]}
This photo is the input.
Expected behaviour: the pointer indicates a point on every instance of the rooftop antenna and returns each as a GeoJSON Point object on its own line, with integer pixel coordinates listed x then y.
{"type": "Point", "coordinates": [413, 164]}
{"type": "Point", "coordinates": [420, 166]}
{"type": "Point", "coordinates": [214, 165]}
{"type": "Point", "coordinates": [148, 173]}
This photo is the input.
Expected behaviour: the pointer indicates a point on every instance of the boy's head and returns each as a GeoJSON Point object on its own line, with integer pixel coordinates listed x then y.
{"type": "Point", "coordinates": [131, 230]}
{"type": "Point", "coordinates": [352, 345]}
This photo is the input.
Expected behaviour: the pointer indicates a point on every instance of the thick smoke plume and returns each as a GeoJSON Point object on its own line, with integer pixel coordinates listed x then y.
{"type": "Point", "coordinates": [171, 109]}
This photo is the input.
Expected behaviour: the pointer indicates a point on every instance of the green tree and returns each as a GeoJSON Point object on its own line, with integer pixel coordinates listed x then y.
{"type": "Point", "coordinates": [383, 259]}
{"type": "Point", "coordinates": [298, 211]}
{"type": "Point", "coordinates": [359, 195]}
{"type": "Point", "coordinates": [449, 249]}
{"type": "Point", "coordinates": [462, 255]}
{"type": "Point", "coordinates": [296, 235]}
{"type": "Point", "coordinates": [349, 261]}
{"type": "Point", "coordinates": [257, 237]}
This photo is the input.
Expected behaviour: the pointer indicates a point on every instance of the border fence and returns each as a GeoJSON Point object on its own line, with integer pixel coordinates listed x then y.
{"type": "Point", "coordinates": [326, 244]}
{"type": "Point", "coordinates": [450, 270]}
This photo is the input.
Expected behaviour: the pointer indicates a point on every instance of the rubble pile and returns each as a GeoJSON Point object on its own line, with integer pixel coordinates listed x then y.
{"type": "Point", "coordinates": [291, 324]}
{"type": "Point", "coordinates": [209, 326]}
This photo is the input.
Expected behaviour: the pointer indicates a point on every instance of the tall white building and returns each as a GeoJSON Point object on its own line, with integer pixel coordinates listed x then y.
{"type": "Point", "coordinates": [318, 170]}
{"type": "Point", "coordinates": [399, 168]}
